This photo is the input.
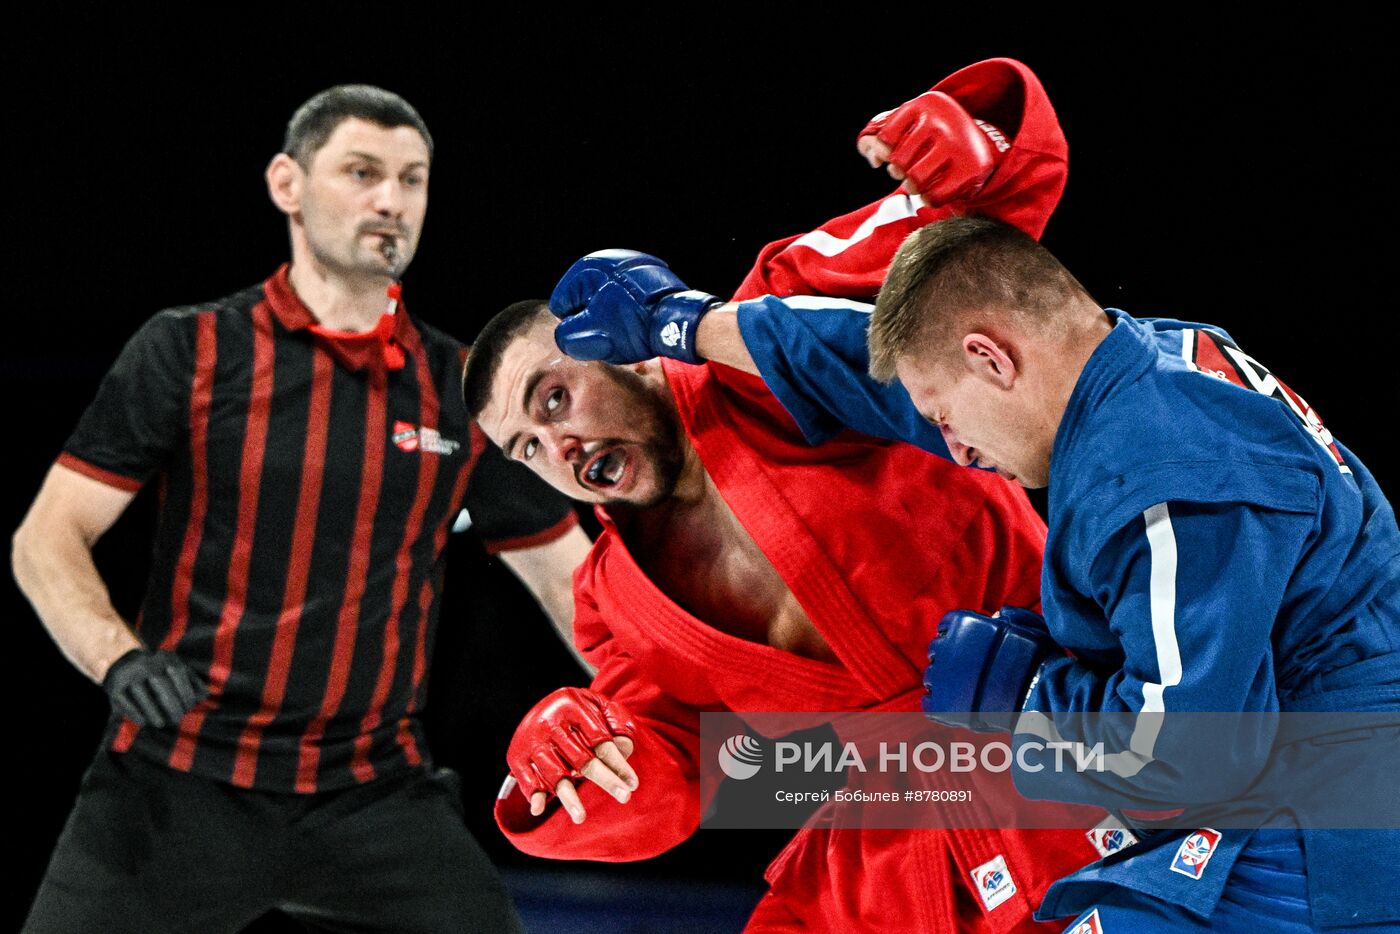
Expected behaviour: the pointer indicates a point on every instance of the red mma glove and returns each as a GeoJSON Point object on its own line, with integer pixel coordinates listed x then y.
{"type": "Point", "coordinates": [939, 149]}
{"type": "Point", "coordinates": [561, 735]}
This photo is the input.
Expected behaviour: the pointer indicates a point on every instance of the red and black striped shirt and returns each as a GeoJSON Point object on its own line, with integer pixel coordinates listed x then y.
{"type": "Point", "coordinates": [308, 483]}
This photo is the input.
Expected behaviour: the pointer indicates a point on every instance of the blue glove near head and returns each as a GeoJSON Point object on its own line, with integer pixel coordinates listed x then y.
{"type": "Point", "coordinates": [981, 664]}
{"type": "Point", "coordinates": [622, 306]}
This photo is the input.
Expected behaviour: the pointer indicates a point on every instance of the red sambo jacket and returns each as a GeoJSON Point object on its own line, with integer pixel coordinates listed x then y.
{"type": "Point", "coordinates": [876, 541]}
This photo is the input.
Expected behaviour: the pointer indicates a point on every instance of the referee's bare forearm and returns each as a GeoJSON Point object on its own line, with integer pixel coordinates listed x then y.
{"type": "Point", "coordinates": [51, 554]}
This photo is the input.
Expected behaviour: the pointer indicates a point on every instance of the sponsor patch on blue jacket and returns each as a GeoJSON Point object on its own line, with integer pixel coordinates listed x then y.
{"type": "Point", "coordinates": [1195, 851]}
{"type": "Point", "coordinates": [1089, 925]}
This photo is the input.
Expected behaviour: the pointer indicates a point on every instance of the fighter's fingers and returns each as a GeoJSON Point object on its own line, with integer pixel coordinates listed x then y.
{"type": "Point", "coordinates": [895, 171]}
{"type": "Point", "coordinates": [537, 803]}
{"type": "Point", "coordinates": [898, 124]}
{"type": "Point", "coordinates": [611, 757]}
{"type": "Point", "coordinates": [624, 745]}
{"type": "Point", "coordinates": [605, 778]}
{"type": "Point", "coordinates": [571, 746]}
{"type": "Point", "coordinates": [568, 796]}
{"type": "Point", "coordinates": [941, 180]}
{"type": "Point", "coordinates": [910, 151]}
{"type": "Point", "coordinates": [875, 150]}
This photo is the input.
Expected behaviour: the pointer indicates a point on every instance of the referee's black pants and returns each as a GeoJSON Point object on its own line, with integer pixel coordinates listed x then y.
{"type": "Point", "coordinates": [149, 849]}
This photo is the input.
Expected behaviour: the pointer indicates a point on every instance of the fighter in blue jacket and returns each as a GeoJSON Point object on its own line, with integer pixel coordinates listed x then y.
{"type": "Point", "coordinates": [1211, 547]}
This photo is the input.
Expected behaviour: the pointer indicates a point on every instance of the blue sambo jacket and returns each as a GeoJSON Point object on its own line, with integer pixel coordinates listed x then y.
{"type": "Point", "coordinates": [1211, 548]}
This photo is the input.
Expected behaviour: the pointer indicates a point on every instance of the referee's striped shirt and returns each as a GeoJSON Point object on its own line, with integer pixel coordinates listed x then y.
{"type": "Point", "coordinates": [308, 482]}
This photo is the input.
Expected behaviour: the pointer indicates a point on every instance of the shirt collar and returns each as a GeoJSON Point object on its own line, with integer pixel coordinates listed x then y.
{"type": "Point", "coordinates": [382, 345]}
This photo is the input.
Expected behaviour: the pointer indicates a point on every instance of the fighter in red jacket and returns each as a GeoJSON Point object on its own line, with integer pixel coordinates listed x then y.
{"type": "Point", "coordinates": [741, 569]}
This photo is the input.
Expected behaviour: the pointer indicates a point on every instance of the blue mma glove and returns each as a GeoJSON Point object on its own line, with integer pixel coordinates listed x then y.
{"type": "Point", "coordinates": [622, 306]}
{"type": "Point", "coordinates": [981, 664]}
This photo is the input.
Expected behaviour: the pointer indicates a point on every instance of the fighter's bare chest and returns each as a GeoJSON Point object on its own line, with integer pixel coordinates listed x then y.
{"type": "Point", "coordinates": [704, 559]}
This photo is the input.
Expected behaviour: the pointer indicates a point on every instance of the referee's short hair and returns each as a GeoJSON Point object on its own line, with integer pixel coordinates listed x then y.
{"type": "Point", "coordinates": [315, 121]}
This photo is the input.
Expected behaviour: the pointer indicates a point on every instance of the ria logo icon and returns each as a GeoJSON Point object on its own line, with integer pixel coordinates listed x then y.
{"type": "Point", "coordinates": [740, 757]}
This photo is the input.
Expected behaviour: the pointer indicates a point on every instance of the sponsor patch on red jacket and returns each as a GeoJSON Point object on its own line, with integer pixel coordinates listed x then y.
{"type": "Point", "coordinates": [993, 881]}
{"type": "Point", "coordinates": [1195, 851]}
{"type": "Point", "coordinates": [1110, 836]}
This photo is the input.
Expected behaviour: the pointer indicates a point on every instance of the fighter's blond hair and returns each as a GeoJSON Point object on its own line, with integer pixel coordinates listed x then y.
{"type": "Point", "coordinates": [950, 273]}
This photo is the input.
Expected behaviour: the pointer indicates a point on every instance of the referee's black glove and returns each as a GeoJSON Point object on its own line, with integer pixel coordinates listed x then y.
{"type": "Point", "coordinates": [153, 688]}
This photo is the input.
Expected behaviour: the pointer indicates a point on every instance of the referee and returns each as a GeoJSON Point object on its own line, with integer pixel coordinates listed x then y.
{"type": "Point", "coordinates": [311, 451]}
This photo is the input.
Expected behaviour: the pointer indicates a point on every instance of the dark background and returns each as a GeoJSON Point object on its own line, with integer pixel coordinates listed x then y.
{"type": "Point", "coordinates": [1237, 173]}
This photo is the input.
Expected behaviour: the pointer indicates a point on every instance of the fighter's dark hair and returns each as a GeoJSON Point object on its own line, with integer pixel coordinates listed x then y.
{"type": "Point", "coordinates": [315, 121]}
{"type": "Point", "coordinates": [490, 346]}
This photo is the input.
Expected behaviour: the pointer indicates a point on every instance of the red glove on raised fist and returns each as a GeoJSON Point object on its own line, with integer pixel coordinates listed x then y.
{"type": "Point", "coordinates": [561, 734]}
{"type": "Point", "coordinates": [941, 151]}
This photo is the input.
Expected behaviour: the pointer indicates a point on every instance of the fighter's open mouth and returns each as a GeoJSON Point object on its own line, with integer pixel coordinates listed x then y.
{"type": "Point", "coordinates": [606, 468]}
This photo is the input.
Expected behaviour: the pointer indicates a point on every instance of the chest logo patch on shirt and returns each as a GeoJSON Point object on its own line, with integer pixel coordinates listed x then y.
{"type": "Point", "coordinates": [993, 881]}
{"type": "Point", "coordinates": [409, 437]}
{"type": "Point", "coordinates": [1195, 851]}
{"type": "Point", "coordinates": [1089, 925]}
